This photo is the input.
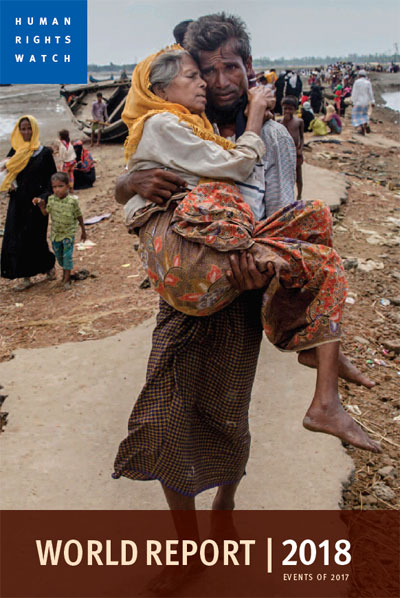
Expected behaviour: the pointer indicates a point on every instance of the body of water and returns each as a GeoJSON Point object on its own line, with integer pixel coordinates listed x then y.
{"type": "Point", "coordinates": [43, 102]}
{"type": "Point", "coordinates": [392, 100]}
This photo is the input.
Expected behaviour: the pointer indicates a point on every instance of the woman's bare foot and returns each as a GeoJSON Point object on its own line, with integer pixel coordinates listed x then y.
{"type": "Point", "coordinates": [347, 370]}
{"type": "Point", "coordinates": [51, 274]}
{"type": "Point", "coordinates": [334, 420]}
{"type": "Point", "coordinates": [25, 284]}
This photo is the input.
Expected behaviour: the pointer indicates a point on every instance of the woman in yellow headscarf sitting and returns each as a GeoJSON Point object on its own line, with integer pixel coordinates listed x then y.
{"type": "Point", "coordinates": [27, 171]}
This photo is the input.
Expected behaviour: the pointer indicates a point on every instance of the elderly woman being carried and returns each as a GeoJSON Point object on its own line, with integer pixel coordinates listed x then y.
{"type": "Point", "coordinates": [185, 244]}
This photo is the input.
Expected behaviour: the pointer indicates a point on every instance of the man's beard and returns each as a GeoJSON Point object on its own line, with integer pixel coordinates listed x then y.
{"type": "Point", "coordinates": [226, 115]}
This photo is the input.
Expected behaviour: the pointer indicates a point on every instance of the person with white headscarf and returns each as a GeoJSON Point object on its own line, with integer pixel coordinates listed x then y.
{"type": "Point", "coordinates": [294, 85]}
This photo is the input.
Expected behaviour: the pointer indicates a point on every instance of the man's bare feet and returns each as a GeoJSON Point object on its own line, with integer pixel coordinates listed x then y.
{"type": "Point", "coordinates": [172, 579]}
{"type": "Point", "coordinates": [223, 500]}
{"type": "Point", "coordinates": [334, 420]}
{"type": "Point", "coordinates": [347, 370]}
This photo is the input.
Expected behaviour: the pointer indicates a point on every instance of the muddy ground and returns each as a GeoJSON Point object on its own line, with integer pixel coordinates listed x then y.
{"type": "Point", "coordinates": [367, 236]}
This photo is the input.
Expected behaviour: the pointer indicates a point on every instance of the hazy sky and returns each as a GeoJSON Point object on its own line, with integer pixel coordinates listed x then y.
{"type": "Point", "coordinates": [125, 31]}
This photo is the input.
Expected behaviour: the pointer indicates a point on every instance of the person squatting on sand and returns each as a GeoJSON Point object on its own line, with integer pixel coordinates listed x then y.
{"type": "Point", "coordinates": [29, 166]}
{"type": "Point", "coordinates": [65, 213]}
{"type": "Point", "coordinates": [193, 408]}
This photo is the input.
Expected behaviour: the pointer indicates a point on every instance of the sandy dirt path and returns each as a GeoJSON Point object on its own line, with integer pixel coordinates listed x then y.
{"type": "Point", "coordinates": [70, 404]}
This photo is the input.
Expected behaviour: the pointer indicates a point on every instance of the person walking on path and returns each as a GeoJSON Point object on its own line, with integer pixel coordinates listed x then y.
{"type": "Point", "coordinates": [65, 213]}
{"type": "Point", "coordinates": [362, 98]}
{"type": "Point", "coordinates": [25, 251]}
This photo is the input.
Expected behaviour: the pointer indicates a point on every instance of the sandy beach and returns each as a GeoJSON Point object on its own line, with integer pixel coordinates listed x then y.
{"type": "Point", "coordinates": [367, 236]}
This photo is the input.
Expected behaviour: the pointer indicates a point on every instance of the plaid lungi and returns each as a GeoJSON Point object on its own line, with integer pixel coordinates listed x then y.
{"type": "Point", "coordinates": [189, 426]}
{"type": "Point", "coordinates": [359, 115]}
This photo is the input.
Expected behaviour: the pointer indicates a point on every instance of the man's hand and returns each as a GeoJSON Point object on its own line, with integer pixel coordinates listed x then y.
{"type": "Point", "coordinates": [156, 185]}
{"type": "Point", "coordinates": [245, 275]}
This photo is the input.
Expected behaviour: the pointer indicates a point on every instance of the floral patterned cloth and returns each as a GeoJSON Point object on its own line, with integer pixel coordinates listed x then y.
{"type": "Point", "coordinates": [184, 249]}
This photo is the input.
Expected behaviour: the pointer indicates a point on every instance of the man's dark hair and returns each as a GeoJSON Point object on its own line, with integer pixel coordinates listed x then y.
{"type": "Point", "coordinates": [99, 94]}
{"type": "Point", "coordinates": [180, 30]}
{"type": "Point", "coordinates": [290, 101]}
{"type": "Point", "coordinates": [210, 32]}
{"type": "Point", "coordinates": [60, 176]}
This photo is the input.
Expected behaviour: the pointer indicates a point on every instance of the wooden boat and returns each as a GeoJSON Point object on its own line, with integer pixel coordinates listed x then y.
{"type": "Point", "coordinates": [79, 100]}
{"type": "Point", "coordinates": [94, 80]}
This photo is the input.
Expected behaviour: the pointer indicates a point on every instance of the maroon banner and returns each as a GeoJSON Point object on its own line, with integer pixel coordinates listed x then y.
{"type": "Point", "coordinates": [118, 554]}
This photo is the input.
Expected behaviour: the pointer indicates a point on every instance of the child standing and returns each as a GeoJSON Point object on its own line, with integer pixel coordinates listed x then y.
{"type": "Point", "coordinates": [65, 213]}
{"type": "Point", "coordinates": [67, 156]}
{"type": "Point", "coordinates": [295, 126]}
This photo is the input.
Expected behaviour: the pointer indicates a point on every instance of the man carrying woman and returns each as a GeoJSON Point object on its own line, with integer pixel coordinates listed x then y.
{"type": "Point", "coordinates": [189, 427]}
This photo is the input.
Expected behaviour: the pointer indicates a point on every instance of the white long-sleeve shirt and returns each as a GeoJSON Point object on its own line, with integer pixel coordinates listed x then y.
{"type": "Point", "coordinates": [66, 154]}
{"type": "Point", "coordinates": [264, 169]}
{"type": "Point", "coordinates": [362, 94]}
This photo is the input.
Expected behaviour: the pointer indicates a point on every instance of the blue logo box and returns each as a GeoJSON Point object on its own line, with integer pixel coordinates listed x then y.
{"type": "Point", "coordinates": [43, 41]}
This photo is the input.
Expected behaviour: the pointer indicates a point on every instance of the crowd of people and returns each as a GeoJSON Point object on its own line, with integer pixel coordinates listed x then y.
{"type": "Point", "coordinates": [210, 193]}
{"type": "Point", "coordinates": [345, 83]}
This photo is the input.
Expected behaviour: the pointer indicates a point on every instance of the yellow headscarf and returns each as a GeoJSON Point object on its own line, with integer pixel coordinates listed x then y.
{"type": "Point", "coordinates": [141, 104]}
{"type": "Point", "coordinates": [23, 150]}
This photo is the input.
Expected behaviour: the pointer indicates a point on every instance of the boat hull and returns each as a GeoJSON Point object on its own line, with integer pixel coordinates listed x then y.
{"type": "Point", "coordinates": [79, 99]}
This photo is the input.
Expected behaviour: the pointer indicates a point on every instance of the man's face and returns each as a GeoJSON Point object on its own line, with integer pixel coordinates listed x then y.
{"type": "Point", "coordinates": [225, 74]}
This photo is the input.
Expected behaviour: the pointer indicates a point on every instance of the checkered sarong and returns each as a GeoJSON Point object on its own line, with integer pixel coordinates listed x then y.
{"type": "Point", "coordinates": [189, 426]}
{"type": "Point", "coordinates": [359, 115]}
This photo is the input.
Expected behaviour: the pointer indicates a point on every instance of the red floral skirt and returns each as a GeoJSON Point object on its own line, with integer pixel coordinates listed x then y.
{"type": "Point", "coordinates": [185, 247]}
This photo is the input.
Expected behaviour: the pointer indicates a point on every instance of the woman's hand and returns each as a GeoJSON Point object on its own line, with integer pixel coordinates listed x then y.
{"type": "Point", "coordinates": [261, 99]}
{"type": "Point", "coordinates": [262, 96]}
{"type": "Point", "coordinates": [38, 201]}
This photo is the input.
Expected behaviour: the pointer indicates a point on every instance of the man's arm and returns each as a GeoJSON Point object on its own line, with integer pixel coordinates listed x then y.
{"type": "Point", "coordinates": [156, 185]}
{"type": "Point", "coordinates": [371, 94]}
